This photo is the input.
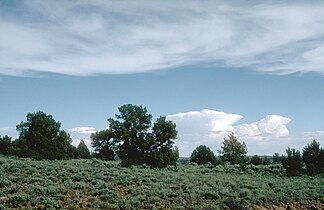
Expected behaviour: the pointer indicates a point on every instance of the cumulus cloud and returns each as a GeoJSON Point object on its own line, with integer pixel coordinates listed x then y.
{"type": "Point", "coordinates": [122, 37]}
{"type": "Point", "coordinates": [271, 125]}
{"type": "Point", "coordinates": [210, 127]}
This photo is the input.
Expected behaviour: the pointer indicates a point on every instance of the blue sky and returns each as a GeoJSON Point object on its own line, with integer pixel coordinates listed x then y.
{"type": "Point", "coordinates": [212, 67]}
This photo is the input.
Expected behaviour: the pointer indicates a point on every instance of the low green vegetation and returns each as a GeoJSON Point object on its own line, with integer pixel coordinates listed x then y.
{"type": "Point", "coordinates": [98, 184]}
{"type": "Point", "coordinates": [152, 178]}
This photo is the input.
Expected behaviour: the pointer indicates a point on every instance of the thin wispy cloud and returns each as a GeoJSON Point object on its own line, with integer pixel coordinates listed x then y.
{"type": "Point", "coordinates": [7, 128]}
{"type": "Point", "coordinates": [123, 37]}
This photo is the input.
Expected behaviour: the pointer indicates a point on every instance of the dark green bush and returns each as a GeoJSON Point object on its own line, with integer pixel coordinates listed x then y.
{"type": "Point", "coordinates": [313, 156]}
{"type": "Point", "coordinates": [202, 155]}
{"type": "Point", "coordinates": [5, 143]}
{"type": "Point", "coordinates": [256, 160]}
{"type": "Point", "coordinates": [293, 163]}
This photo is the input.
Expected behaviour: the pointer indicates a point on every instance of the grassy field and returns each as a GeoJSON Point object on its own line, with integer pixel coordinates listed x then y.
{"type": "Point", "coordinates": [96, 184]}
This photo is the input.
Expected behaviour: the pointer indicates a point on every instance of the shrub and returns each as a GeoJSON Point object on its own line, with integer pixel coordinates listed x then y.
{"type": "Point", "coordinates": [313, 157]}
{"type": "Point", "coordinates": [277, 158]}
{"type": "Point", "coordinates": [202, 155]}
{"type": "Point", "coordinates": [293, 163]}
{"type": "Point", "coordinates": [256, 160]}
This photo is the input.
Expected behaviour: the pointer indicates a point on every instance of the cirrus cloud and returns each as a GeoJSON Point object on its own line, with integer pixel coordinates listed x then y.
{"type": "Point", "coordinates": [122, 37]}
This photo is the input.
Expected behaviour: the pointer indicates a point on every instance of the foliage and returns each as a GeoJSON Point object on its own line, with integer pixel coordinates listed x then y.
{"type": "Point", "coordinates": [97, 184]}
{"type": "Point", "coordinates": [5, 144]}
{"type": "Point", "coordinates": [103, 144]}
{"type": "Point", "coordinates": [82, 150]}
{"type": "Point", "coordinates": [131, 131]}
{"type": "Point", "coordinates": [293, 163]}
{"type": "Point", "coordinates": [313, 156]}
{"type": "Point", "coordinates": [202, 155]}
{"type": "Point", "coordinates": [133, 141]}
{"type": "Point", "coordinates": [40, 137]}
{"type": "Point", "coordinates": [233, 151]}
{"type": "Point", "coordinates": [256, 160]}
{"type": "Point", "coordinates": [277, 158]}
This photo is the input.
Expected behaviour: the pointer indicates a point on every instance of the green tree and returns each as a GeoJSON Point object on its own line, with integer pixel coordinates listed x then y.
{"type": "Point", "coordinates": [83, 151]}
{"type": "Point", "coordinates": [256, 160]}
{"type": "Point", "coordinates": [160, 150]}
{"type": "Point", "coordinates": [293, 163]}
{"type": "Point", "coordinates": [276, 158]}
{"type": "Point", "coordinates": [5, 144]}
{"type": "Point", "coordinates": [40, 137]}
{"type": "Point", "coordinates": [233, 151]}
{"type": "Point", "coordinates": [202, 155]}
{"type": "Point", "coordinates": [313, 156]}
{"type": "Point", "coordinates": [137, 142]}
{"type": "Point", "coordinates": [103, 145]}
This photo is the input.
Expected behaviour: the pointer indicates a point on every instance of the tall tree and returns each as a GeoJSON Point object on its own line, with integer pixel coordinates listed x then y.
{"type": "Point", "coordinates": [40, 137]}
{"type": "Point", "coordinates": [83, 151]}
{"type": "Point", "coordinates": [103, 144]}
{"type": "Point", "coordinates": [5, 143]}
{"type": "Point", "coordinates": [313, 156]}
{"type": "Point", "coordinates": [293, 162]}
{"type": "Point", "coordinates": [134, 139]}
{"type": "Point", "coordinates": [233, 151]}
{"type": "Point", "coordinates": [161, 151]}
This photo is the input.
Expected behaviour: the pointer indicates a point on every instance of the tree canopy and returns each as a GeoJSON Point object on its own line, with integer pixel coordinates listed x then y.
{"type": "Point", "coordinates": [293, 162]}
{"type": "Point", "coordinates": [40, 137]}
{"type": "Point", "coordinates": [5, 143]}
{"type": "Point", "coordinates": [313, 156]}
{"type": "Point", "coordinates": [202, 155]}
{"type": "Point", "coordinates": [103, 144]}
{"type": "Point", "coordinates": [134, 139]}
{"type": "Point", "coordinates": [82, 150]}
{"type": "Point", "coordinates": [233, 151]}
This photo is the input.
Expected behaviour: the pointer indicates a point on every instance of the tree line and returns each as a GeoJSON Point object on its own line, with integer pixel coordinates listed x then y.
{"type": "Point", "coordinates": [310, 162]}
{"type": "Point", "coordinates": [132, 137]}
{"type": "Point", "coordinates": [40, 137]}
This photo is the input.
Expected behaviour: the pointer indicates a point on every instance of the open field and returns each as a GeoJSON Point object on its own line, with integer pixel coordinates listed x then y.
{"type": "Point", "coordinates": [96, 184]}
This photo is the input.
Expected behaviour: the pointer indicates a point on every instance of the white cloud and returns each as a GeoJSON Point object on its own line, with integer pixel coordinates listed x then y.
{"type": "Point", "coordinates": [122, 37]}
{"type": "Point", "coordinates": [83, 130]}
{"type": "Point", "coordinates": [84, 133]}
{"type": "Point", "coordinates": [271, 125]}
{"type": "Point", "coordinates": [210, 127]}
{"type": "Point", "coordinates": [7, 128]}
{"type": "Point", "coordinates": [317, 135]}
{"type": "Point", "coordinates": [205, 120]}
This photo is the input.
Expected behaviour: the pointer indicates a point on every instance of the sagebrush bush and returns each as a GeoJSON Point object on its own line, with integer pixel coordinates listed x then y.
{"type": "Point", "coordinates": [97, 184]}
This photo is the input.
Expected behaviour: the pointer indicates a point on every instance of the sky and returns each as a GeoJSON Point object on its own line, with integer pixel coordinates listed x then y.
{"type": "Point", "coordinates": [254, 68]}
